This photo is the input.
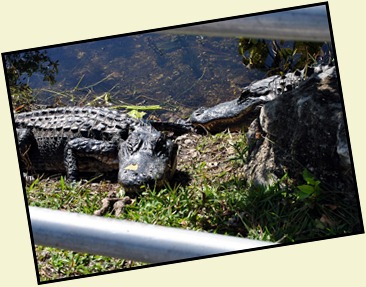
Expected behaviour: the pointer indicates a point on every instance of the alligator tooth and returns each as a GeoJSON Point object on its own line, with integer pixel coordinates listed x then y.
{"type": "Point", "coordinates": [95, 147]}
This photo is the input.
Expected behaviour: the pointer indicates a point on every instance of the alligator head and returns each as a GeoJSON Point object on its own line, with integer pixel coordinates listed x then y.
{"type": "Point", "coordinates": [239, 113]}
{"type": "Point", "coordinates": [147, 157]}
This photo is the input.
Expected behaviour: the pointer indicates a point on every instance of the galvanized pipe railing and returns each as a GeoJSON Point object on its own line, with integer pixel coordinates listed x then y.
{"type": "Point", "coordinates": [128, 240]}
{"type": "Point", "coordinates": [305, 24]}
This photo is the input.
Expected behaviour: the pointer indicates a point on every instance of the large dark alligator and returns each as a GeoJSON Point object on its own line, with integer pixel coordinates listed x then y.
{"type": "Point", "coordinates": [239, 113]}
{"type": "Point", "coordinates": [74, 140]}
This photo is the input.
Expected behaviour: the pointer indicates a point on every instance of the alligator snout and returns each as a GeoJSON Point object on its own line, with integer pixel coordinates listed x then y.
{"type": "Point", "coordinates": [133, 181]}
{"type": "Point", "coordinates": [143, 169]}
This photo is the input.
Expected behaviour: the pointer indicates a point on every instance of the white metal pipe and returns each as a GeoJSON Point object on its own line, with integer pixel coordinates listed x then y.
{"type": "Point", "coordinates": [306, 24]}
{"type": "Point", "coordinates": [126, 239]}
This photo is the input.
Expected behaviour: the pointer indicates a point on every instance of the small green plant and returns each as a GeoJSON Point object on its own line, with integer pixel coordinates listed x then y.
{"type": "Point", "coordinates": [277, 57]}
{"type": "Point", "coordinates": [241, 148]}
{"type": "Point", "coordinates": [312, 187]}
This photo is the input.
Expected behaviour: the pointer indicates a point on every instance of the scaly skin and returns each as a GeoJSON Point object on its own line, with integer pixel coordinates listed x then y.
{"type": "Point", "coordinates": [73, 140]}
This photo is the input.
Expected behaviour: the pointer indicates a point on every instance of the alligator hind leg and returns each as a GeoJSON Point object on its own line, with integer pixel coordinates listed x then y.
{"type": "Point", "coordinates": [104, 152]}
{"type": "Point", "coordinates": [26, 140]}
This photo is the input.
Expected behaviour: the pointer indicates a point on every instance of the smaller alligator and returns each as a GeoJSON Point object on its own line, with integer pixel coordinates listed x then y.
{"type": "Point", "coordinates": [73, 140]}
{"type": "Point", "coordinates": [239, 113]}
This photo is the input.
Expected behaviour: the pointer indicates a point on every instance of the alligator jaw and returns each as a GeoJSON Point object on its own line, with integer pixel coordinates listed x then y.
{"type": "Point", "coordinates": [233, 114]}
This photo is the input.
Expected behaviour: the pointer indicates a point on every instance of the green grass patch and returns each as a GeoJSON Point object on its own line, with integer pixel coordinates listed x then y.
{"type": "Point", "coordinates": [216, 199]}
{"type": "Point", "coordinates": [56, 264]}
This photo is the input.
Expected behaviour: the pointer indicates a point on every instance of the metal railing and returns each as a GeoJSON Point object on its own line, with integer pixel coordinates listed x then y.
{"type": "Point", "coordinates": [306, 24]}
{"type": "Point", "coordinates": [127, 239]}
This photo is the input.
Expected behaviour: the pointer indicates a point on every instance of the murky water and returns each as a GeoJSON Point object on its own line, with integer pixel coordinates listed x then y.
{"type": "Point", "coordinates": [180, 73]}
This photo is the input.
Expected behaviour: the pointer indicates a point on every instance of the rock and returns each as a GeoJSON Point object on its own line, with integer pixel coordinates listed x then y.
{"type": "Point", "coordinates": [303, 128]}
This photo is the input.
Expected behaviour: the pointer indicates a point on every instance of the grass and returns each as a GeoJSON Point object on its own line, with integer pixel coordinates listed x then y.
{"type": "Point", "coordinates": [54, 264]}
{"type": "Point", "coordinates": [216, 198]}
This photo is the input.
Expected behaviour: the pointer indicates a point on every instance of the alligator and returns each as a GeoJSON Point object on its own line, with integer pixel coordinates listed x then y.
{"type": "Point", "coordinates": [239, 113]}
{"type": "Point", "coordinates": [74, 140]}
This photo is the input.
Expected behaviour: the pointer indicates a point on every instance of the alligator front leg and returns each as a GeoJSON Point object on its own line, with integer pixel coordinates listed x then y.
{"type": "Point", "coordinates": [101, 152]}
